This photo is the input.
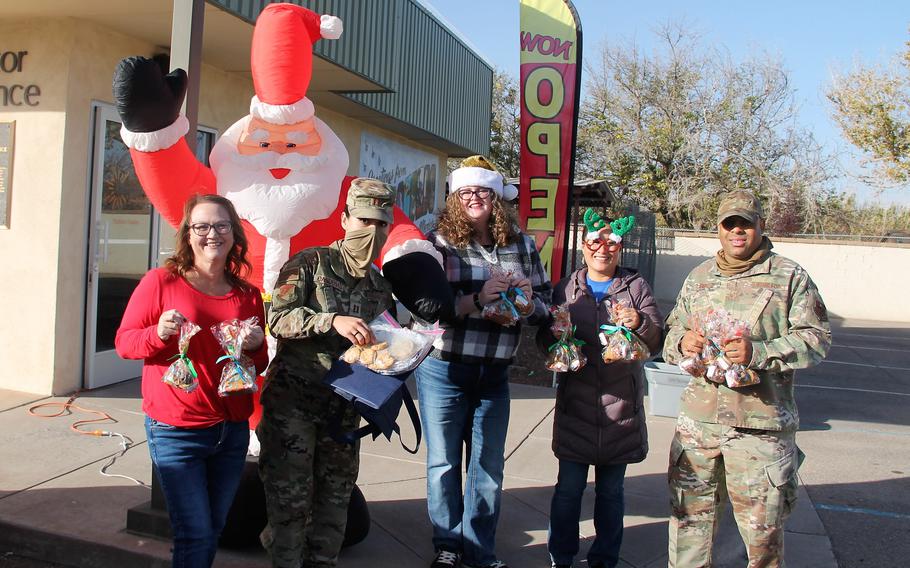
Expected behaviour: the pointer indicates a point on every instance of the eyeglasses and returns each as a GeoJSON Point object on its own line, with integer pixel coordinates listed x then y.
{"type": "Point", "coordinates": [595, 245]}
{"type": "Point", "coordinates": [466, 194]}
{"type": "Point", "coordinates": [203, 229]}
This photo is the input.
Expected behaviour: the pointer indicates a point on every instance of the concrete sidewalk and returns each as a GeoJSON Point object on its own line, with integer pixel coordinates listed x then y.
{"type": "Point", "coordinates": [56, 506]}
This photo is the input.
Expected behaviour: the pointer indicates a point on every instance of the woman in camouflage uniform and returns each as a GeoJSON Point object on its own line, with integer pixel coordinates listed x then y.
{"type": "Point", "coordinates": [322, 302]}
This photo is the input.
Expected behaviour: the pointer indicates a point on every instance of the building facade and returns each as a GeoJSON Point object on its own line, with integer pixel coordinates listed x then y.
{"type": "Point", "coordinates": [76, 232]}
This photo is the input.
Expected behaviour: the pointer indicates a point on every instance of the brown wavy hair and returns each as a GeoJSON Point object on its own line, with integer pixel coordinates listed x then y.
{"type": "Point", "coordinates": [183, 260]}
{"type": "Point", "coordinates": [455, 226]}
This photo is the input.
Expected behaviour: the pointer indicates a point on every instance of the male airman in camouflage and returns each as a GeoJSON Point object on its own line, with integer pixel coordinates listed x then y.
{"type": "Point", "coordinates": [741, 442]}
{"type": "Point", "coordinates": [321, 304]}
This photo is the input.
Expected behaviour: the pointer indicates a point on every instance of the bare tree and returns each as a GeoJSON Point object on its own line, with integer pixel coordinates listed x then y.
{"type": "Point", "coordinates": [677, 129]}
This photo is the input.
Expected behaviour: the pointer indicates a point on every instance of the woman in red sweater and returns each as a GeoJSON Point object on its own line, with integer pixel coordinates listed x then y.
{"type": "Point", "coordinates": [198, 439]}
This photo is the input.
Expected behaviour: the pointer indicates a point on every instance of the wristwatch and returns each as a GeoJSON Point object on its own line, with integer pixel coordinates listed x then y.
{"type": "Point", "coordinates": [477, 302]}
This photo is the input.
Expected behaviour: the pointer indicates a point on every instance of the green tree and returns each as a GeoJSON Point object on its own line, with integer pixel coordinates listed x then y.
{"type": "Point", "coordinates": [871, 105]}
{"type": "Point", "coordinates": [675, 130]}
{"type": "Point", "coordinates": [505, 128]}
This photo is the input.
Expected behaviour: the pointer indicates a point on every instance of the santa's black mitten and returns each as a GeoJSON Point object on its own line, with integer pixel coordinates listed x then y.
{"type": "Point", "coordinates": [420, 284]}
{"type": "Point", "coordinates": [147, 99]}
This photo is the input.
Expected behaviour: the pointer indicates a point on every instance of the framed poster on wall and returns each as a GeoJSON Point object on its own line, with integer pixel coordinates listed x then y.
{"type": "Point", "coordinates": [412, 172]}
{"type": "Point", "coordinates": [7, 139]}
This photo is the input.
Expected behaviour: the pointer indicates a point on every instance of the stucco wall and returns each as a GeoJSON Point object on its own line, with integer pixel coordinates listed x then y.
{"type": "Point", "coordinates": [30, 247]}
{"type": "Point", "coordinates": [44, 251]}
{"type": "Point", "coordinates": [855, 280]}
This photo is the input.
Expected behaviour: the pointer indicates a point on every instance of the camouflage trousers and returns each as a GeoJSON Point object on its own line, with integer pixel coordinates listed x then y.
{"type": "Point", "coordinates": [755, 469]}
{"type": "Point", "coordinates": [307, 476]}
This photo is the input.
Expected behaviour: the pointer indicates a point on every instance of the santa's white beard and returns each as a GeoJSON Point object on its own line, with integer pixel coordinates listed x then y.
{"type": "Point", "coordinates": [279, 209]}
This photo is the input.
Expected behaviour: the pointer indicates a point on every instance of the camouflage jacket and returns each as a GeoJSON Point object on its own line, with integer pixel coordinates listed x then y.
{"type": "Point", "coordinates": [789, 331]}
{"type": "Point", "coordinates": [312, 288]}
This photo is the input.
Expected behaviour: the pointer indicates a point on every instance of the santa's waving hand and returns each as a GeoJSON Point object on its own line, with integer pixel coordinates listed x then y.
{"type": "Point", "coordinates": [281, 166]}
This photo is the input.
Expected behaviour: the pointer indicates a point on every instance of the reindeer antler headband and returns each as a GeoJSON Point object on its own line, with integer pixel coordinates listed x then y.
{"type": "Point", "coordinates": [595, 224]}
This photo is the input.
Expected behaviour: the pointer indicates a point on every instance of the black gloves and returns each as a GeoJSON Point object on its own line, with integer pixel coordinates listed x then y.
{"type": "Point", "coordinates": [421, 285]}
{"type": "Point", "coordinates": [147, 99]}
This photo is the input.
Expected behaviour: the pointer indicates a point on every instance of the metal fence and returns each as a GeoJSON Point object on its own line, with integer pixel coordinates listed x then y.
{"type": "Point", "coordinates": [639, 246]}
{"type": "Point", "coordinates": [664, 237]}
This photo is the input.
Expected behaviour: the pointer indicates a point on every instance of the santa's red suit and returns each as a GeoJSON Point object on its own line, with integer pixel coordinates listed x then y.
{"type": "Point", "coordinates": [282, 168]}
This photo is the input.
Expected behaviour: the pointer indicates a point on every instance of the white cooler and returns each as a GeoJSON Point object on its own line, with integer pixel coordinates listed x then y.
{"type": "Point", "coordinates": [666, 384]}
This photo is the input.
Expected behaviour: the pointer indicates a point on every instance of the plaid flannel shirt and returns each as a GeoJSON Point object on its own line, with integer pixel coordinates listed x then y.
{"type": "Point", "coordinates": [475, 339]}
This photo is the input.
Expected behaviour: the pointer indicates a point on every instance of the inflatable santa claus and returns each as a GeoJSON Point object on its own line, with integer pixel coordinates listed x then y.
{"type": "Point", "coordinates": [281, 166]}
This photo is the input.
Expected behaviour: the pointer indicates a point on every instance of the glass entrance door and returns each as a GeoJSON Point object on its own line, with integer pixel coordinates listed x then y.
{"type": "Point", "coordinates": [123, 236]}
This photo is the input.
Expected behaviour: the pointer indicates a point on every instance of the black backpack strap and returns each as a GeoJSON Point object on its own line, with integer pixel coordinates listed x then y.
{"type": "Point", "coordinates": [415, 420]}
{"type": "Point", "coordinates": [349, 437]}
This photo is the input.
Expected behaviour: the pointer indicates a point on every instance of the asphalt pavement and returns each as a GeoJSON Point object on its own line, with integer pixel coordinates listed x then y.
{"type": "Point", "coordinates": [853, 511]}
{"type": "Point", "coordinates": [855, 431]}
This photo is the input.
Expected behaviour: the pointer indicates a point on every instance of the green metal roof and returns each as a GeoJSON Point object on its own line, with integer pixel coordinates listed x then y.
{"type": "Point", "coordinates": [430, 86]}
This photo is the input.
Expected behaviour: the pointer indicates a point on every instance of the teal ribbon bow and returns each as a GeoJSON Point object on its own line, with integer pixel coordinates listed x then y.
{"type": "Point", "coordinates": [187, 361]}
{"type": "Point", "coordinates": [509, 303]}
{"type": "Point", "coordinates": [236, 360]}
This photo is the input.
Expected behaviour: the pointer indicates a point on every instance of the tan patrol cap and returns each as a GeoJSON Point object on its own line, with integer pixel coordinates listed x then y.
{"type": "Point", "coordinates": [740, 203]}
{"type": "Point", "coordinates": [370, 198]}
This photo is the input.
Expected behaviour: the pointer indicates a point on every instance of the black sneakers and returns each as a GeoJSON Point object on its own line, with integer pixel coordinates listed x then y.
{"type": "Point", "coordinates": [497, 564]}
{"type": "Point", "coordinates": [445, 559]}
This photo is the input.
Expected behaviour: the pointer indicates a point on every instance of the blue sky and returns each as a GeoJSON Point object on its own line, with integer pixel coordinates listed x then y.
{"type": "Point", "coordinates": [812, 38]}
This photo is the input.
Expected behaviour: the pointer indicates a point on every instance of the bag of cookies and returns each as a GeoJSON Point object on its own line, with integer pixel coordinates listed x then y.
{"type": "Point", "coordinates": [182, 374]}
{"type": "Point", "coordinates": [619, 342]}
{"type": "Point", "coordinates": [719, 326]}
{"type": "Point", "coordinates": [512, 304]}
{"type": "Point", "coordinates": [239, 373]}
{"type": "Point", "coordinates": [397, 349]}
{"type": "Point", "coordinates": [565, 355]}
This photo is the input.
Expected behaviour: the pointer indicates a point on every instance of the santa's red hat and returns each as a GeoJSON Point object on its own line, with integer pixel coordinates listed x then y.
{"type": "Point", "coordinates": [282, 60]}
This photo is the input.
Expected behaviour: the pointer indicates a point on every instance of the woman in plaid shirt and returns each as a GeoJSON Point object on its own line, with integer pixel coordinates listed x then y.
{"type": "Point", "coordinates": [463, 386]}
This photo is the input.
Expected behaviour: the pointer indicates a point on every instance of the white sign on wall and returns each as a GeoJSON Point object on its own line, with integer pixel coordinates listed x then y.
{"type": "Point", "coordinates": [412, 172]}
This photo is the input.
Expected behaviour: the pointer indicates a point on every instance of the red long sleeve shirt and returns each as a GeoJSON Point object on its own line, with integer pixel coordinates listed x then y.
{"type": "Point", "coordinates": [137, 338]}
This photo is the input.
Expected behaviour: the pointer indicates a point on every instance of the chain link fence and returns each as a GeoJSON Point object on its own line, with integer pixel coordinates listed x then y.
{"type": "Point", "coordinates": [664, 237]}
{"type": "Point", "coordinates": [639, 246]}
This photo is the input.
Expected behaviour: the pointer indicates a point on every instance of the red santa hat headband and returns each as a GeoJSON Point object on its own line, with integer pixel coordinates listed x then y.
{"type": "Point", "coordinates": [281, 57]}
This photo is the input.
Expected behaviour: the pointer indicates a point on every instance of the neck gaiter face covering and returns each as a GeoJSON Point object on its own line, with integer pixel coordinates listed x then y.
{"type": "Point", "coordinates": [732, 266]}
{"type": "Point", "coordinates": [360, 248]}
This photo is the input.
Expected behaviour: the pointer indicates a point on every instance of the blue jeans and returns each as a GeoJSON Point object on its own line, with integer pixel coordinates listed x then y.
{"type": "Point", "coordinates": [462, 403]}
{"type": "Point", "coordinates": [565, 512]}
{"type": "Point", "coordinates": [199, 470]}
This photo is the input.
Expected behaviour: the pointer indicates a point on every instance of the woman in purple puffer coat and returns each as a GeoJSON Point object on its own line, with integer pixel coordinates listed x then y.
{"type": "Point", "coordinates": [599, 418]}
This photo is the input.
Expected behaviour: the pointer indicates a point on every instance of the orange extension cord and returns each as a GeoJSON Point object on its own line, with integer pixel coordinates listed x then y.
{"type": "Point", "coordinates": [66, 409]}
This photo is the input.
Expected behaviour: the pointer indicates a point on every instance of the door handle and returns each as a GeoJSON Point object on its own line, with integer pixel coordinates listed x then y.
{"type": "Point", "coordinates": [107, 236]}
